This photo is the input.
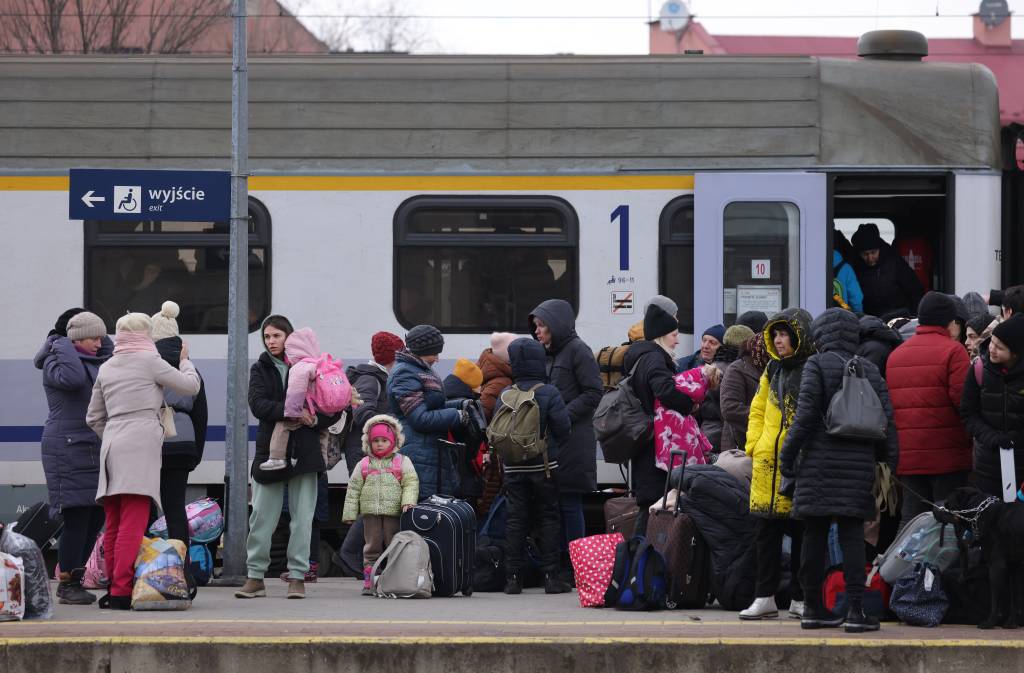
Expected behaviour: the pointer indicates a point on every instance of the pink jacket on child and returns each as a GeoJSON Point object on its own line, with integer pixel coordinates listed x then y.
{"type": "Point", "coordinates": [302, 343]}
{"type": "Point", "coordinates": [672, 430]}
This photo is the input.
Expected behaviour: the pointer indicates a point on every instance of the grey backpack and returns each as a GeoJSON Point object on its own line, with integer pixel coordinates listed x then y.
{"type": "Point", "coordinates": [403, 570]}
{"type": "Point", "coordinates": [855, 411]}
{"type": "Point", "coordinates": [622, 426]}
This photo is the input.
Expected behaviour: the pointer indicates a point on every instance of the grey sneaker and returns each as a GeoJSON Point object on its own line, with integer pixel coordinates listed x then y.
{"type": "Point", "coordinates": [252, 589]}
{"type": "Point", "coordinates": [296, 589]}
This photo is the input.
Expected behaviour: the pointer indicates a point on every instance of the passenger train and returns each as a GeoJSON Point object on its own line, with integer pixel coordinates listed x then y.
{"type": "Point", "coordinates": [392, 190]}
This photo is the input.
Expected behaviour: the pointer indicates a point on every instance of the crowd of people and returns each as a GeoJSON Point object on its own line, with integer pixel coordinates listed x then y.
{"type": "Point", "coordinates": [947, 379]}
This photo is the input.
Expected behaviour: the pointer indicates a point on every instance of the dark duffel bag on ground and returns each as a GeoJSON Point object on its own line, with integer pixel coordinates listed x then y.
{"type": "Point", "coordinates": [35, 524]}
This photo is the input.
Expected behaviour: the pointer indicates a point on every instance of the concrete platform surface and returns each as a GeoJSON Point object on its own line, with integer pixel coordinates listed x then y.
{"type": "Point", "coordinates": [532, 631]}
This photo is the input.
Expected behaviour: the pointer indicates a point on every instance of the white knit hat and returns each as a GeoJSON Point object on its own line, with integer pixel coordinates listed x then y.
{"type": "Point", "coordinates": [164, 323]}
{"type": "Point", "coordinates": [134, 322]}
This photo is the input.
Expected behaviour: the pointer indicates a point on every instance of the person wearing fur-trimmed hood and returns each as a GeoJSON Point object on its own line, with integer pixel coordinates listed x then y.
{"type": "Point", "coordinates": [383, 485]}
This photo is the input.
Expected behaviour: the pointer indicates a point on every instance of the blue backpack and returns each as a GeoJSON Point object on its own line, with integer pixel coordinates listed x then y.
{"type": "Point", "coordinates": [638, 578]}
{"type": "Point", "coordinates": [200, 564]}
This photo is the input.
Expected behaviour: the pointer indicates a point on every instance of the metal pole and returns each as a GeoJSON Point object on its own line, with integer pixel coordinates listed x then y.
{"type": "Point", "coordinates": [236, 438]}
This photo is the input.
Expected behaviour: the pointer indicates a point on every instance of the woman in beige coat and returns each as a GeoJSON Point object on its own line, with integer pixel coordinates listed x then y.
{"type": "Point", "coordinates": [125, 412]}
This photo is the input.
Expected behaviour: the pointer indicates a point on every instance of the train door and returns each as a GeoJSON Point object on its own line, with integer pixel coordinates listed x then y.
{"type": "Point", "coordinates": [759, 241]}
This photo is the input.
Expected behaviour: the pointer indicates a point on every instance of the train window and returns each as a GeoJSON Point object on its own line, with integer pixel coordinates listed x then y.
{"type": "Point", "coordinates": [136, 266]}
{"type": "Point", "coordinates": [675, 279]}
{"type": "Point", "coordinates": [761, 257]}
{"type": "Point", "coordinates": [478, 264]}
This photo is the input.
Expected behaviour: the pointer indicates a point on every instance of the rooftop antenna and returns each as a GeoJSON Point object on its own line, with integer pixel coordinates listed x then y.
{"type": "Point", "coordinates": [675, 17]}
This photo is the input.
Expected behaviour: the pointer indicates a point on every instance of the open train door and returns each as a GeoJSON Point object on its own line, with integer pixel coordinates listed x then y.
{"type": "Point", "coordinates": [760, 243]}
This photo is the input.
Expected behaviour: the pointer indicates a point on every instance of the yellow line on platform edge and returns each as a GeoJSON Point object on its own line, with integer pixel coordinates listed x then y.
{"type": "Point", "coordinates": [508, 640]}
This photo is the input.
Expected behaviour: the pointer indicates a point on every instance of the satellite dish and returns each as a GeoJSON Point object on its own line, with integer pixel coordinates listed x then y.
{"type": "Point", "coordinates": [674, 16]}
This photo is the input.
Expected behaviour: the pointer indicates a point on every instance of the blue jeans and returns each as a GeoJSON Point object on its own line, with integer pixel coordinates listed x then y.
{"type": "Point", "coordinates": [573, 525]}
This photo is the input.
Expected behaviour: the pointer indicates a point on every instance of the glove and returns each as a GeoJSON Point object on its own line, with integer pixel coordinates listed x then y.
{"type": "Point", "coordinates": [1001, 440]}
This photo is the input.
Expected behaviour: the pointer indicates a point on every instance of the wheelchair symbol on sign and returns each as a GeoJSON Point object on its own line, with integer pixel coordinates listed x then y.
{"type": "Point", "coordinates": [126, 199]}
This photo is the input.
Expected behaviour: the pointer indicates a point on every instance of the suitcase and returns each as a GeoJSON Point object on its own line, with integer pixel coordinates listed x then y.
{"type": "Point", "coordinates": [687, 556]}
{"type": "Point", "coordinates": [35, 524]}
{"type": "Point", "coordinates": [621, 513]}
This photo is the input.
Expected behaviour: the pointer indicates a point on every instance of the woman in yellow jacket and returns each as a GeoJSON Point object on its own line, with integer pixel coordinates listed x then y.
{"type": "Point", "coordinates": [788, 340]}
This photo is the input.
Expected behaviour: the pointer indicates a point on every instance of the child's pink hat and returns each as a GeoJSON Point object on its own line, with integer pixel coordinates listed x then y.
{"type": "Point", "coordinates": [382, 430]}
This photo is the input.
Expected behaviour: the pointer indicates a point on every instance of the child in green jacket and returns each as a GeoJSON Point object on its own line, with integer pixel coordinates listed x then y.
{"type": "Point", "coordinates": [382, 486]}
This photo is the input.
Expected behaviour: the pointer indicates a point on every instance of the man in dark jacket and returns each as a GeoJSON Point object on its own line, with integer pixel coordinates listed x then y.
{"type": "Point", "coordinates": [926, 379]}
{"type": "Point", "coordinates": [533, 485]}
{"type": "Point", "coordinates": [877, 341]}
{"type": "Point", "coordinates": [572, 369]}
{"type": "Point", "coordinates": [888, 282]}
{"type": "Point", "coordinates": [710, 341]}
{"type": "Point", "coordinates": [834, 476]}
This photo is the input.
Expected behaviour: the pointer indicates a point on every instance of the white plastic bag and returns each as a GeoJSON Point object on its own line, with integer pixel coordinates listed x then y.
{"type": "Point", "coordinates": [36, 586]}
{"type": "Point", "coordinates": [12, 588]}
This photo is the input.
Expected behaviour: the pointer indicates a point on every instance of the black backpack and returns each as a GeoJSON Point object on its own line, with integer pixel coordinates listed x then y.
{"type": "Point", "coordinates": [638, 578]}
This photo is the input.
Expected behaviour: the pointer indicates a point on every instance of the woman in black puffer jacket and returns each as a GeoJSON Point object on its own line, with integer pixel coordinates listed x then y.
{"type": "Point", "coordinates": [834, 476]}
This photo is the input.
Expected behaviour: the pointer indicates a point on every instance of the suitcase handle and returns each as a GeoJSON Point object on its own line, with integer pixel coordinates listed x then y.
{"type": "Point", "coordinates": [668, 478]}
{"type": "Point", "coordinates": [433, 521]}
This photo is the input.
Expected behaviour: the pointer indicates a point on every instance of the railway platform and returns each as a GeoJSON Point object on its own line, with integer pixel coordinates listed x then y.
{"type": "Point", "coordinates": [336, 629]}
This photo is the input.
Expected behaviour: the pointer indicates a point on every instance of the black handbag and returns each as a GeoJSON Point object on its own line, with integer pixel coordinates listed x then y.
{"type": "Point", "coordinates": [855, 412]}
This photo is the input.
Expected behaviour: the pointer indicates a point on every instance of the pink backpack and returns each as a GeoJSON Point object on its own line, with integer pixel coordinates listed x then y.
{"type": "Point", "coordinates": [95, 576]}
{"type": "Point", "coordinates": [331, 392]}
{"type": "Point", "coordinates": [395, 469]}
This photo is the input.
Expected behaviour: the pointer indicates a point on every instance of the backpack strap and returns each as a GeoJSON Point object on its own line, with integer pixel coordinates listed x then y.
{"type": "Point", "coordinates": [547, 467]}
{"type": "Point", "coordinates": [395, 469]}
{"type": "Point", "coordinates": [364, 467]}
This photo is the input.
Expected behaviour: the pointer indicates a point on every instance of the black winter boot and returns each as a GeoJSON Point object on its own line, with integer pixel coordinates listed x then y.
{"type": "Point", "coordinates": [70, 590]}
{"type": "Point", "coordinates": [513, 585]}
{"type": "Point", "coordinates": [554, 585]}
{"type": "Point", "coordinates": [859, 622]}
{"type": "Point", "coordinates": [817, 616]}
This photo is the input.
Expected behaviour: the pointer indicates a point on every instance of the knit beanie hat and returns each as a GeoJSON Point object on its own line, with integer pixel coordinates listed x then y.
{"type": "Point", "coordinates": [382, 430]}
{"type": "Point", "coordinates": [468, 373]}
{"type": "Point", "coordinates": [664, 303]}
{"type": "Point", "coordinates": [868, 238]}
{"type": "Point", "coordinates": [384, 345]}
{"type": "Point", "coordinates": [936, 309]}
{"type": "Point", "coordinates": [755, 320]}
{"type": "Point", "coordinates": [424, 340]}
{"type": "Point", "coordinates": [164, 323]}
{"type": "Point", "coordinates": [636, 332]}
{"type": "Point", "coordinates": [86, 325]}
{"type": "Point", "coordinates": [980, 323]}
{"type": "Point", "coordinates": [736, 335]}
{"type": "Point", "coordinates": [61, 326]}
{"type": "Point", "coordinates": [717, 331]}
{"type": "Point", "coordinates": [499, 344]}
{"type": "Point", "coordinates": [975, 304]}
{"type": "Point", "coordinates": [1011, 333]}
{"type": "Point", "coordinates": [959, 309]}
{"type": "Point", "coordinates": [658, 322]}
{"type": "Point", "coordinates": [134, 322]}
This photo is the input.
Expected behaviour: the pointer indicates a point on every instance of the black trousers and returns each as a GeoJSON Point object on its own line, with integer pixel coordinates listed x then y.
{"type": "Point", "coordinates": [934, 487]}
{"type": "Point", "coordinates": [532, 505]}
{"type": "Point", "coordinates": [769, 534]}
{"type": "Point", "coordinates": [173, 482]}
{"type": "Point", "coordinates": [81, 526]}
{"type": "Point", "coordinates": [815, 558]}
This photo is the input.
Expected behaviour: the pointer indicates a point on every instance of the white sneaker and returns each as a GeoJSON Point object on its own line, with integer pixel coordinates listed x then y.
{"type": "Point", "coordinates": [796, 609]}
{"type": "Point", "coordinates": [273, 464]}
{"type": "Point", "coordinates": [761, 608]}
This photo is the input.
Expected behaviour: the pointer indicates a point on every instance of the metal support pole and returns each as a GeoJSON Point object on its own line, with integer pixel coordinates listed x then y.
{"type": "Point", "coordinates": [236, 438]}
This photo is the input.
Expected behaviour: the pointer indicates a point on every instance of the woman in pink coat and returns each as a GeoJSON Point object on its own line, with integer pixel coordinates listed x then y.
{"type": "Point", "coordinates": [125, 412]}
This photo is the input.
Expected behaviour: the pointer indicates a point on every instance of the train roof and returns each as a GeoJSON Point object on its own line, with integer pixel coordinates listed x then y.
{"type": "Point", "coordinates": [441, 114]}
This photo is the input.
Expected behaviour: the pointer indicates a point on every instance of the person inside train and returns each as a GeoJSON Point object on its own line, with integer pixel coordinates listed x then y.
{"type": "Point", "coordinates": [888, 283]}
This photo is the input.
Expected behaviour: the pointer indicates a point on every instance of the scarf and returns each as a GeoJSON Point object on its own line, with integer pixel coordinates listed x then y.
{"type": "Point", "coordinates": [758, 352]}
{"type": "Point", "coordinates": [281, 367]}
{"type": "Point", "coordinates": [134, 342]}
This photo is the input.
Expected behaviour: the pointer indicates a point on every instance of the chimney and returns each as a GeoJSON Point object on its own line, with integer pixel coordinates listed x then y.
{"type": "Point", "coordinates": [992, 24]}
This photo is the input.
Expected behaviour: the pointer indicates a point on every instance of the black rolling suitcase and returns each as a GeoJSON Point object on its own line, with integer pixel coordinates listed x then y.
{"type": "Point", "coordinates": [35, 523]}
{"type": "Point", "coordinates": [448, 525]}
{"type": "Point", "coordinates": [687, 557]}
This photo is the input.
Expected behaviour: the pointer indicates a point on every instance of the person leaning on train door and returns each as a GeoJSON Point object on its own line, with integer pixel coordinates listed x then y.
{"type": "Point", "coordinates": [572, 369]}
{"type": "Point", "coordinates": [887, 281]}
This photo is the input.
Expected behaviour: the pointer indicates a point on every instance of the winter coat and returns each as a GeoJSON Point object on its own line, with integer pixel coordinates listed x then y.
{"type": "Point", "coordinates": [717, 503]}
{"type": "Point", "coordinates": [877, 342]}
{"type": "Point", "coordinates": [370, 380]}
{"type": "Point", "coordinates": [709, 414]}
{"type": "Point", "coordinates": [739, 385]}
{"type": "Point", "coordinates": [891, 285]}
{"type": "Point", "coordinates": [850, 287]}
{"type": "Point", "coordinates": [497, 377]}
{"type": "Point", "coordinates": [768, 425]}
{"type": "Point", "coordinates": [994, 414]}
{"type": "Point", "coordinates": [185, 450]}
{"type": "Point", "coordinates": [691, 361]}
{"type": "Point", "coordinates": [125, 412]}
{"type": "Point", "coordinates": [381, 494]}
{"type": "Point", "coordinates": [266, 401]}
{"type": "Point", "coordinates": [529, 368]}
{"type": "Point", "coordinates": [834, 476]}
{"type": "Point", "coordinates": [573, 370]}
{"type": "Point", "coordinates": [70, 449]}
{"type": "Point", "coordinates": [652, 380]}
{"type": "Point", "coordinates": [417, 400]}
{"type": "Point", "coordinates": [302, 350]}
{"type": "Point", "coordinates": [926, 379]}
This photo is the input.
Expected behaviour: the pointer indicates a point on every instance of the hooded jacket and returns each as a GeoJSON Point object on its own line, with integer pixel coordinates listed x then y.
{"type": "Point", "coordinates": [70, 449]}
{"type": "Point", "coordinates": [834, 476]}
{"type": "Point", "coordinates": [772, 411]}
{"type": "Point", "coordinates": [381, 493]}
{"type": "Point", "coordinates": [572, 369]}
{"type": "Point", "coordinates": [497, 377]}
{"type": "Point", "coordinates": [652, 380]}
{"type": "Point", "coordinates": [994, 414]}
{"type": "Point", "coordinates": [847, 277]}
{"type": "Point", "coordinates": [370, 381]}
{"type": "Point", "coordinates": [877, 342]}
{"type": "Point", "coordinates": [891, 285]}
{"type": "Point", "coordinates": [266, 401]}
{"type": "Point", "coordinates": [926, 379]}
{"type": "Point", "coordinates": [301, 351]}
{"type": "Point", "coordinates": [528, 370]}
{"type": "Point", "coordinates": [185, 449]}
{"type": "Point", "coordinates": [417, 400]}
{"type": "Point", "coordinates": [739, 385]}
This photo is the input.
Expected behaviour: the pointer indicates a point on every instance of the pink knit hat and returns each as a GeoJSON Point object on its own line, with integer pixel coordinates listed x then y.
{"type": "Point", "coordinates": [382, 430]}
{"type": "Point", "coordinates": [500, 342]}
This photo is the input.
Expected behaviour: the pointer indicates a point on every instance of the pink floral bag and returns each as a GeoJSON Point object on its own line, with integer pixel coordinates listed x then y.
{"type": "Point", "coordinates": [672, 430]}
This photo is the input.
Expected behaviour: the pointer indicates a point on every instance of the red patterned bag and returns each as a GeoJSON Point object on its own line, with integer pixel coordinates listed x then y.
{"type": "Point", "coordinates": [593, 559]}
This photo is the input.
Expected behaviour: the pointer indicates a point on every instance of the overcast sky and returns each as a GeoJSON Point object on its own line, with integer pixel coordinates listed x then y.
{"type": "Point", "coordinates": [620, 26]}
